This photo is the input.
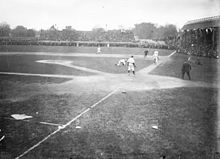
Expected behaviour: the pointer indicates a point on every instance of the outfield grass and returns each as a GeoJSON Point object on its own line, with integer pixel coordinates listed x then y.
{"type": "Point", "coordinates": [207, 72]}
{"type": "Point", "coordinates": [71, 49]}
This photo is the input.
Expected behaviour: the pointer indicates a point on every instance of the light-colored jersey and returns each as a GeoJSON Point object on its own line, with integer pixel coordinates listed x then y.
{"type": "Point", "coordinates": [121, 62]}
{"type": "Point", "coordinates": [131, 61]}
{"type": "Point", "coordinates": [98, 49]}
{"type": "Point", "coordinates": [155, 54]}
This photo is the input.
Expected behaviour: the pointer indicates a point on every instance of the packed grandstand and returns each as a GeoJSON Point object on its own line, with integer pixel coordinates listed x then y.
{"type": "Point", "coordinates": [201, 37]}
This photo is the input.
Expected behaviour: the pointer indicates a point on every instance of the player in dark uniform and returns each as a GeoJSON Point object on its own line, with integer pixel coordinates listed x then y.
{"type": "Point", "coordinates": [145, 53]}
{"type": "Point", "coordinates": [186, 68]}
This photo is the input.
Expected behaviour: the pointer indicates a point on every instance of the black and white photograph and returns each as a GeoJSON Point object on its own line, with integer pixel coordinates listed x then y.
{"type": "Point", "coordinates": [109, 79]}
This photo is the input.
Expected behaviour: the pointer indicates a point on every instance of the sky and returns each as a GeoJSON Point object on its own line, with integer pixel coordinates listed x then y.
{"type": "Point", "coordinates": [108, 14]}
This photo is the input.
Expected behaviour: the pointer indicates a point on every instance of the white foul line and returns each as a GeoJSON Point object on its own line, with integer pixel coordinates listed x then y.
{"type": "Point", "coordinates": [41, 75]}
{"type": "Point", "coordinates": [67, 124]}
{"type": "Point", "coordinates": [2, 137]}
{"type": "Point", "coordinates": [172, 54]}
{"type": "Point", "coordinates": [41, 122]}
{"type": "Point", "coordinates": [46, 123]}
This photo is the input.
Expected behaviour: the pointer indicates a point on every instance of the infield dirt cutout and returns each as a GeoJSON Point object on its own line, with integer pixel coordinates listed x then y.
{"type": "Point", "coordinates": [103, 81]}
{"type": "Point", "coordinates": [107, 81]}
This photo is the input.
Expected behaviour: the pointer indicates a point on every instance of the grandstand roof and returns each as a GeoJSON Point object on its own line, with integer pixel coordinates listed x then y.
{"type": "Point", "coordinates": [202, 23]}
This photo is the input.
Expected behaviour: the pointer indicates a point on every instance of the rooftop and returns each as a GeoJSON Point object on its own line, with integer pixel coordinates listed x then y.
{"type": "Point", "coordinates": [202, 23]}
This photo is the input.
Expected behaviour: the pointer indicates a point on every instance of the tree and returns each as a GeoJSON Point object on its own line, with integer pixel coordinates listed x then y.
{"type": "Point", "coordinates": [4, 29]}
{"type": "Point", "coordinates": [170, 31]}
{"type": "Point", "coordinates": [69, 34]}
{"type": "Point", "coordinates": [31, 33]}
{"type": "Point", "coordinates": [19, 31]}
{"type": "Point", "coordinates": [98, 34]}
{"type": "Point", "coordinates": [54, 33]}
{"type": "Point", "coordinates": [159, 33]}
{"type": "Point", "coordinates": [44, 35]}
{"type": "Point", "coordinates": [144, 30]}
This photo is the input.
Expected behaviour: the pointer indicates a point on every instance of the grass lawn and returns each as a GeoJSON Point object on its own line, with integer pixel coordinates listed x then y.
{"type": "Point", "coordinates": [121, 127]}
{"type": "Point", "coordinates": [13, 79]}
{"type": "Point", "coordinates": [71, 49]}
{"type": "Point", "coordinates": [107, 64]}
{"type": "Point", "coordinates": [207, 72]}
{"type": "Point", "coordinates": [52, 108]}
{"type": "Point", "coordinates": [28, 64]}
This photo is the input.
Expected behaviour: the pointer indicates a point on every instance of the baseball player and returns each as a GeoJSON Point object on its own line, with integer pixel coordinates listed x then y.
{"type": "Point", "coordinates": [155, 57]}
{"type": "Point", "coordinates": [131, 65]}
{"type": "Point", "coordinates": [99, 50]}
{"type": "Point", "coordinates": [121, 62]}
{"type": "Point", "coordinates": [145, 53]}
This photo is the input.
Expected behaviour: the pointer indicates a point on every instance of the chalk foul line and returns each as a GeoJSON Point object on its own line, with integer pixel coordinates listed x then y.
{"type": "Point", "coordinates": [67, 124]}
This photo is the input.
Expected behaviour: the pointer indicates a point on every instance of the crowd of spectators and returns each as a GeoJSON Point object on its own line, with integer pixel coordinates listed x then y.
{"type": "Point", "coordinates": [202, 50]}
{"type": "Point", "coordinates": [113, 38]}
{"type": "Point", "coordinates": [106, 36]}
{"type": "Point", "coordinates": [70, 37]}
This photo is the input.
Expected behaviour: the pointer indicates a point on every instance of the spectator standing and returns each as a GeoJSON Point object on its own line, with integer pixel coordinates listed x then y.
{"type": "Point", "coordinates": [198, 62]}
{"type": "Point", "coordinates": [163, 157]}
{"type": "Point", "coordinates": [186, 68]}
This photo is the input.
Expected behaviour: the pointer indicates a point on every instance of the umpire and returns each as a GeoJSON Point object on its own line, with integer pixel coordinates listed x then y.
{"type": "Point", "coordinates": [186, 68]}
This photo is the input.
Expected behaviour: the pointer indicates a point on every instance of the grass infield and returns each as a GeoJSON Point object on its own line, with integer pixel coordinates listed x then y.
{"type": "Point", "coordinates": [28, 64]}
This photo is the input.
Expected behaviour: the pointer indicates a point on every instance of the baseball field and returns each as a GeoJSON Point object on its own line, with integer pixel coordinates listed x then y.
{"type": "Point", "coordinates": [82, 106]}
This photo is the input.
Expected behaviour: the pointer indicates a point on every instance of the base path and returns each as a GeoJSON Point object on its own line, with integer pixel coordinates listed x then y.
{"type": "Point", "coordinates": [107, 81]}
{"type": "Point", "coordinates": [142, 81]}
{"type": "Point", "coordinates": [69, 64]}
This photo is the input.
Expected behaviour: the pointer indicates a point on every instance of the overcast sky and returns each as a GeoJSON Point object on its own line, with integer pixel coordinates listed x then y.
{"type": "Point", "coordinates": [109, 14]}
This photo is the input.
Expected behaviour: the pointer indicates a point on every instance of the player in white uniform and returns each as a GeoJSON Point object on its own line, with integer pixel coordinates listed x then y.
{"type": "Point", "coordinates": [121, 62]}
{"type": "Point", "coordinates": [155, 57]}
{"type": "Point", "coordinates": [99, 50]}
{"type": "Point", "coordinates": [131, 65]}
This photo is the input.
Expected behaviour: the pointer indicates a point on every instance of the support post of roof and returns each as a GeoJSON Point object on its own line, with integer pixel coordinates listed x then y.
{"type": "Point", "coordinates": [197, 41]}
{"type": "Point", "coordinates": [213, 38]}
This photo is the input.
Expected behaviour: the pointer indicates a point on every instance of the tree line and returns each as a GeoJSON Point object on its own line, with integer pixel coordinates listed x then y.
{"type": "Point", "coordinates": [140, 31]}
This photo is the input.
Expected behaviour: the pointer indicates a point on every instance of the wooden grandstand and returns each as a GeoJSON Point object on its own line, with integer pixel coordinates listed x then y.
{"type": "Point", "coordinates": [201, 36]}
